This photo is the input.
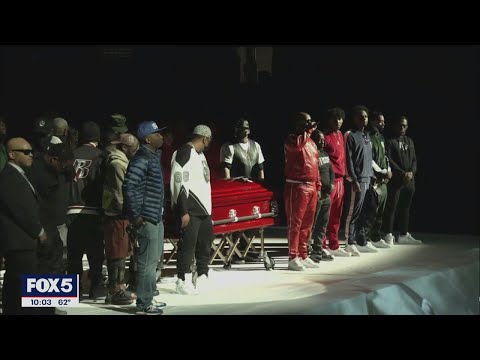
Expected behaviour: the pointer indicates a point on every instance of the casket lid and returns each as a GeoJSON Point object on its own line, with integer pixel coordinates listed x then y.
{"type": "Point", "coordinates": [236, 190]}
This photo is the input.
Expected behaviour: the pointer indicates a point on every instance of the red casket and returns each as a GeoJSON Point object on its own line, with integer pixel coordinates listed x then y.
{"type": "Point", "coordinates": [241, 204]}
{"type": "Point", "coordinates": [237, 205]}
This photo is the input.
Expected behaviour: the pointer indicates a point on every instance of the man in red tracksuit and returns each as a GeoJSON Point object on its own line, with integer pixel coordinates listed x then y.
{"type": "Point", "coordinates": [302, 184]}
{"type": "Point", "coordinates": [335, 148]}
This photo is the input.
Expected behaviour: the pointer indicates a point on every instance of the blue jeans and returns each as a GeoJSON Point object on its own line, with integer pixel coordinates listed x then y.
{"type": "Point", "coordinates": [150, 240]}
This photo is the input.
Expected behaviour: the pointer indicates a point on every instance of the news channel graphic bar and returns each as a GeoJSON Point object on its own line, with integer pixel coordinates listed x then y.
{"type": "Point", "coordinates": [50, 290]}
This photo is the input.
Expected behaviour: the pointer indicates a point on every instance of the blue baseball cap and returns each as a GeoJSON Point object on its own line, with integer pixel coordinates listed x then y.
{"type": "Point", "coordinates": [148, 127]}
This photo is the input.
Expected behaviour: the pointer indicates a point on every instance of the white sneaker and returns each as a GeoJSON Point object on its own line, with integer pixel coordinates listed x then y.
{"type": "Point", "coordinates": [413, 239]}
{"type": "Point", "coordinates": [296, 265]}
{"type": "Point", "coordinates": [309, 263]}
{"type": "Point", "coordinates": [390, 239]}
{"type": "Point", "coordinates": [202, 283]}
{"type": "Point", "coordinates": [368, 248]}
{"type": "Point", "coordinates": [408, 240]}
{"type": "Point", "coordinates": [381, 244]}
{"type": "Point", "coordinates": [340, 252]}
{"type": "Point", "coordinates": [352, 249]}
{"type": "Point", "coordinates": [186, 287]}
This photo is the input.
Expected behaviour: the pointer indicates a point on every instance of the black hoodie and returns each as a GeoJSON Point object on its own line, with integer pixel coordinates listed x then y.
{"type": "Point", "coordinates": [401, 154]}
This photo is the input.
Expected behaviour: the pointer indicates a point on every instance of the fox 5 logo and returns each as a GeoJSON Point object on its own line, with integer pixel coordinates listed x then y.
{"type": "Point", "coordinates": [50, 285]}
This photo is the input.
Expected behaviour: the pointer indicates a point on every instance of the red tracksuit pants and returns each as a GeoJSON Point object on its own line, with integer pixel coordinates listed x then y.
{"type": "Point", "coordinates": [300, 205]}
{"type": "Point", "coordinates": [336, 207]}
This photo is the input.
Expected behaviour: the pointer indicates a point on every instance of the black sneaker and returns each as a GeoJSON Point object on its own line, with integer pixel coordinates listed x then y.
{"type": "Point", "coordinates": [150, 310]}
{"type": "Point", "coordinates": [121, 297]}
{"type": "Point", "coordinates": [316, 256]}
{"type": "Point", "coordinates": [159, 304]}
{"type": "Point", "coordinates": [326, 256]}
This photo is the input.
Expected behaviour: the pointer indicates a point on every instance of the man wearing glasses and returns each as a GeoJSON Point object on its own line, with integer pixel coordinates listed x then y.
{"type": "Point", "coordinates": [243, 157]}
{"type": "Point", "coordinates": [20, 224]}
{"type": "Point", "coordinates": [358, 157]}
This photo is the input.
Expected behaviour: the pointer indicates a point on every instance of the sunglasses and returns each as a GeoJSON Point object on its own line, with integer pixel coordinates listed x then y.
{"type": "Point", "coordinates": [25, 151]}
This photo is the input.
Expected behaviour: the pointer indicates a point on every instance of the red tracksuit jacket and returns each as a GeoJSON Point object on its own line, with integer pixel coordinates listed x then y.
{"type": "Point", "coordinates": [335, 148]}
{"type": "Point", "coordinates": [301, 158]}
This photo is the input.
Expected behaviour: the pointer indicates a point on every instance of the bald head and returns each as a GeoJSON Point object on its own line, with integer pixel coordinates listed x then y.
{"type": "Point", "coordinates": [60, 126]}
{"type": "Point", "coordinates": [302, 122]}
{"type": "Point", "coordinates": [301, 116]}
{"type": "Point", "coordinates": [20, 152]}
{"type": "Point", "coordinates": [128, 144]}
{"type": "Point", "coordinates": [18, 143]}
{"type": "Point", "coordinates": [60, 123]}
{"type": "Point", "coordinates": [136, 143]}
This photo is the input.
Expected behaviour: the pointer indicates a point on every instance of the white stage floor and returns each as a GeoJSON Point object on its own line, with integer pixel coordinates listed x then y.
{"type": "Point", "coordinates": [439, 277]}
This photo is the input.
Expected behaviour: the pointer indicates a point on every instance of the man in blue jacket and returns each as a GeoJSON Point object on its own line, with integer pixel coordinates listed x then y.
{"type": "Point", "coordinates": [143, 201]}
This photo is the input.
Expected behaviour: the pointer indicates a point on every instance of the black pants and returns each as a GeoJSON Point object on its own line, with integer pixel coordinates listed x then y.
{"type": "Point", "coordinates": [85, 235]}
{"type": "Point", "coordinates": [399, 200]}
{"type": "Point", "coordinates": [367, 216]}
{"type": "Point", "coordinates": [195, 243]}
{"type": "Point", "coordinates": [50, 255]}
{"type": "Point", "coordinates": [376, 229]}
{"type": "Point", "coordinates": [322, 215]}
{"type": "Point", "coordinates": [18, 263]}
{"type": "Point", "coordinates": [352, 207]}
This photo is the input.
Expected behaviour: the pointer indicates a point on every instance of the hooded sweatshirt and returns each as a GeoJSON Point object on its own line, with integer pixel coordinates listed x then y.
{"type": "Point", "coordinates": [115, 168]}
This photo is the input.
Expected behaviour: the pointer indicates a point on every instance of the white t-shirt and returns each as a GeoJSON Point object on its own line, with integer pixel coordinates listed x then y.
{"type": "Point", "coordinates": [227, 152]}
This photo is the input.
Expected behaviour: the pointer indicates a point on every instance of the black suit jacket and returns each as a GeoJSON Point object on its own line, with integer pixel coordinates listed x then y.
{"type": "Point", "coordinates": [19, 212]}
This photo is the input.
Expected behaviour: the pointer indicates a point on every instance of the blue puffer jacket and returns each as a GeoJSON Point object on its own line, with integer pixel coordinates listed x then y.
{"type": "Point", "coordinates": [143, 188]}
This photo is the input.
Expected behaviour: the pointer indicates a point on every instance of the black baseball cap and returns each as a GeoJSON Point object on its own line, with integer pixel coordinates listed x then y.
{"type": "Point", "coordinates": [242, 124]}
{"type": "Point", "coordinates": [42, 125]}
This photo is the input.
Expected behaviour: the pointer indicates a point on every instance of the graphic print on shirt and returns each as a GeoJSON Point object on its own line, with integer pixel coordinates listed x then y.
{"type": "Point", "coordinates": [324, 160]}
{"type": "Point", "coordinates": [82, 168]}
{"type": "Point", "coordinates": [206, 171]}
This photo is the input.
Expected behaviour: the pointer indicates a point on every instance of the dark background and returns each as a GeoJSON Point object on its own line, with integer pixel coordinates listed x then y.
{"type": "Point", "coordinates": [437, 87]}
